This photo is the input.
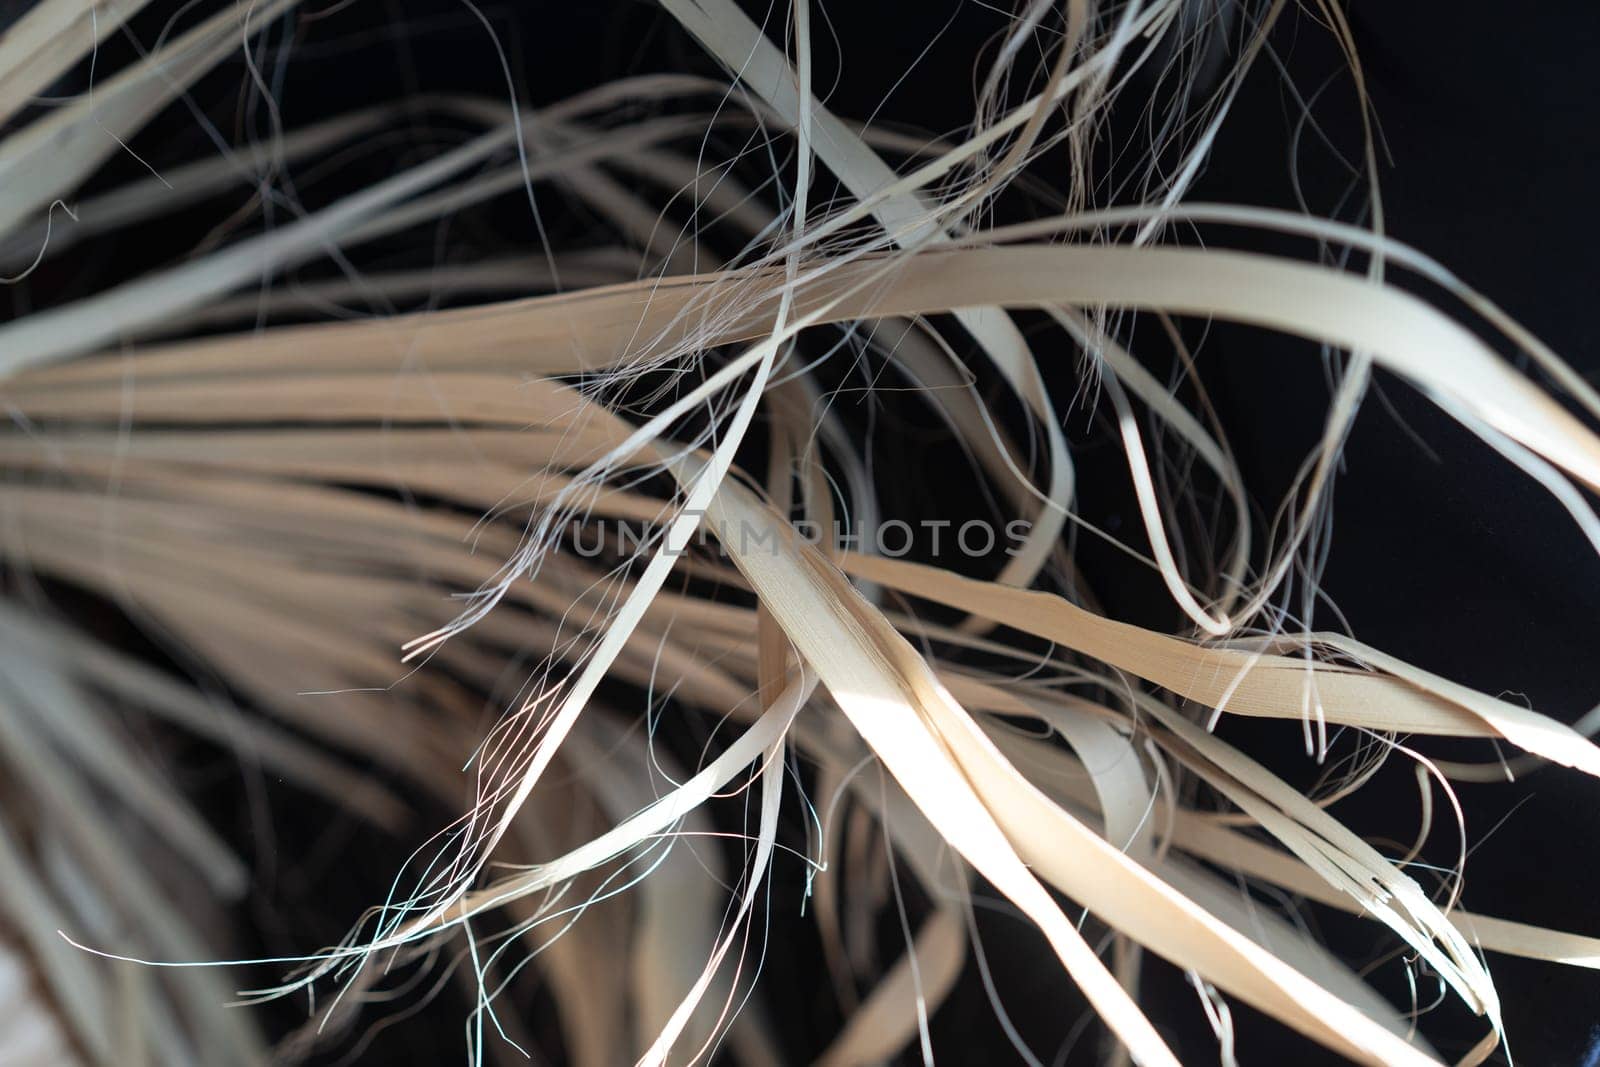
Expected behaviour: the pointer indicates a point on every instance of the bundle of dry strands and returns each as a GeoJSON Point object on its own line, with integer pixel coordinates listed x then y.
{"type": "Point", "coordinates": [625, 507]}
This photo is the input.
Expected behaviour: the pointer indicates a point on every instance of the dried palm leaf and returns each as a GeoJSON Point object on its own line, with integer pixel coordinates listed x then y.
{"type": "Point", "coordinates": [600, 493]}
